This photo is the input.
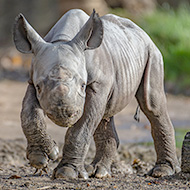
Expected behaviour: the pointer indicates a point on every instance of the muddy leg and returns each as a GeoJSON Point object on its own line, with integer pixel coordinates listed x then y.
{"type": "Point", "coordinates": [78, 137]}
{"type": "Point", "coordinates": [152, 100]}
{"type": "Point", "coordinates": [107, 142]}
{"type": "Point", "coordinates": [40, 146]}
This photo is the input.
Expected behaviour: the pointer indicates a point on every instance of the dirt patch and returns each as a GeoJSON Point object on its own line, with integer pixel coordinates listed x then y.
{"type": "Point", "coordinates": [128, 171]}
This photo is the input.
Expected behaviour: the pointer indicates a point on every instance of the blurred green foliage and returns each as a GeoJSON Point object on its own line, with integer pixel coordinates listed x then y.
{"type": "Point", "coordinates": [179, 135]}
{"type": "Point", "coordinates": [170, 31]}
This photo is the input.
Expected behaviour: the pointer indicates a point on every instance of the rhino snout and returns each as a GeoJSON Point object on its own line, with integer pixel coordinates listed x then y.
{"type": "Point", "coordinates": [62, 113]}
{"type": "Point", "coordinates": [62, 104]}
{"type": "Point", "coordinates": [64, 117]}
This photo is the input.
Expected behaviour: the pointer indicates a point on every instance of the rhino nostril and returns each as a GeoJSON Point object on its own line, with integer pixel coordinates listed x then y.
{"type": "Point", "coordinates": [49, 115]}
{"type": "Point", "coordinates": [70, 113]}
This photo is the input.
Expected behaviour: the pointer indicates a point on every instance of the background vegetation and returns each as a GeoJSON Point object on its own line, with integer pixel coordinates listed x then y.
{"type": "Point", "coordinates": [170, 30]}
{"type": "Point", "coordinates": [166, 21]}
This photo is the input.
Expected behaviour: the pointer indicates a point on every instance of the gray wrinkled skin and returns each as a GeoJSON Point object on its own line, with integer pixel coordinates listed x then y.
{"type": "Point", "coordinates": [83, 72]}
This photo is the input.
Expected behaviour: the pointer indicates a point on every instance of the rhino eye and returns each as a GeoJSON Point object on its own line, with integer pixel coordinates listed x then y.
{"type": "Point", "coordinates": [38, 88]}
{"type": "Point", "coordinates": [83, 86]}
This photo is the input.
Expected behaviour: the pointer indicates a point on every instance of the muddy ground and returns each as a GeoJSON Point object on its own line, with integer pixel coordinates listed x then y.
{"type": "Point", "coordinates": [133, 160]}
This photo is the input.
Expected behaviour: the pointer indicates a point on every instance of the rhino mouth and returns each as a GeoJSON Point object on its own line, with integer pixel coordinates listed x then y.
{"type": "Point", "coordinates": [63, 121]}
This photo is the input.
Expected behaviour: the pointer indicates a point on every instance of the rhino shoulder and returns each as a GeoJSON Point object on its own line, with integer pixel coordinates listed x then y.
{"type": "Point", "coordinates": [119, 21]}
{"type": "Point", "coordinates": [120, 24]}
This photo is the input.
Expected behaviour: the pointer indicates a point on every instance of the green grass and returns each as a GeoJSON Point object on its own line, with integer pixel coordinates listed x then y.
{"type": "Point", "coordinates": [179, 136]}
{"type": "Point", "coordinates": [170, 31]}
{"type": "Point", "coordinates": [146, 143]}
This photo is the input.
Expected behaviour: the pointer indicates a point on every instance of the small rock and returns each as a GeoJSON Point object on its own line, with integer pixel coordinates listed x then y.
{"type": "Point", "coordinates": [27, 184]}
{"type": "Point", "coordinates": [14, 177]}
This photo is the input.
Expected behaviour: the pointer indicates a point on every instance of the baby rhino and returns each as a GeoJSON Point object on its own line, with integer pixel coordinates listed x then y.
{"type": "Point", "coordinates": [86, 70]}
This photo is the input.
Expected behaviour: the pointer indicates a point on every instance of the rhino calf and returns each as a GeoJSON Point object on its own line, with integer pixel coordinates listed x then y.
{"type": "Point", "coordinates": [83, 72]}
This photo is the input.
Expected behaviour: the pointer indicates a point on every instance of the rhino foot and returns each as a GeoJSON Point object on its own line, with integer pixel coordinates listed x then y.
{"type": "Point", "coordinates": [39, 159]}
{"type": "Point", "coordinates": [161, 170]}
{"type": "Point", "coordinates": [99, 171]}
{"type": "Point", "coordinates": [69, 171]}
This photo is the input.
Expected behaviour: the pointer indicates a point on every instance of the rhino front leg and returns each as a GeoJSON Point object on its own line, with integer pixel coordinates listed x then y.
{"type": "Point", "coordinates": [78, 137]}
{"type": "Point", "coordinates": [107, 142]}
{"type": "Point", "coordinates": [40, 146]}
{"type": "Point", "coordinates": [152, 100]}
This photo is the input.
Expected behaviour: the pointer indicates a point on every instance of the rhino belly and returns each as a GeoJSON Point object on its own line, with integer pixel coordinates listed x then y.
{"type": "Point", "coordinates": [124, 90]}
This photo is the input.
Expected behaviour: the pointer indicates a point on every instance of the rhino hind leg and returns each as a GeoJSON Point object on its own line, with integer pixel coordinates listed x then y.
{"type": "Point", "coordinates": [40, 147]}
{"type": "Point", "coordinates": [107, 142]}
{"type": "Point", "coordinates": [152, 101]}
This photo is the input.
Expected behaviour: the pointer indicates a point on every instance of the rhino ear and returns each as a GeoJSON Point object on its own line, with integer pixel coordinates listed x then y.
{"type": "Point", "coordinates": [26, 39]}
{"type": "Point", "coordinates": [91, 34]}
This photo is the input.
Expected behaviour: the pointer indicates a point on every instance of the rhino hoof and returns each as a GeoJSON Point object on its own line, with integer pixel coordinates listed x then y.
{"type": "Point", "coordinates": [99, 172]}
{"type": "Point", "coordinates": [161, 170]}
{"type": "Point", "coordinates": [65, 172]}
{"type": "Point", "coordinates": [102, 172]}
{"type": "Point", "coordinates": [38, 160]}
{"type": "Point", "coordinates": [90, 169]}
{"type": "Point", "coordinates": [69, 172]}
{"type": "Point", "coordinates": [54, 153]}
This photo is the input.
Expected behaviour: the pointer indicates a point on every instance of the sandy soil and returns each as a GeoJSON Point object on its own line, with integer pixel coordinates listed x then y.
{"type": "Point", "coordinates": [133, 160]}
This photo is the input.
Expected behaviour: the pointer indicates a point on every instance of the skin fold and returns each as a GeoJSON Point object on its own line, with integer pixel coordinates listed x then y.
{"type": "Point", "coordinates": [84, 71]}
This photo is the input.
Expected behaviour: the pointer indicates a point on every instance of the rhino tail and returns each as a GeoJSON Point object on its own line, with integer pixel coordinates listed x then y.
{"type": "Point", "coordinates": [137, 113]}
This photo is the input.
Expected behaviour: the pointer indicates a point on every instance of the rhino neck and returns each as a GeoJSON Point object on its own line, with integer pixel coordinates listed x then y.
{"type": "Point", "coordinates": [63, 30]}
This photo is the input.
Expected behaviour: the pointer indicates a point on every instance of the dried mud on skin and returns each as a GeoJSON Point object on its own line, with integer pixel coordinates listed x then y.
{"type": "Point", "coordinates": [132, 162]}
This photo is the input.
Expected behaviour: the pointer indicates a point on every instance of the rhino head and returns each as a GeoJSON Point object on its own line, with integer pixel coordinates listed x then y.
{"type": "Point", "coordinates": [58, 70]}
